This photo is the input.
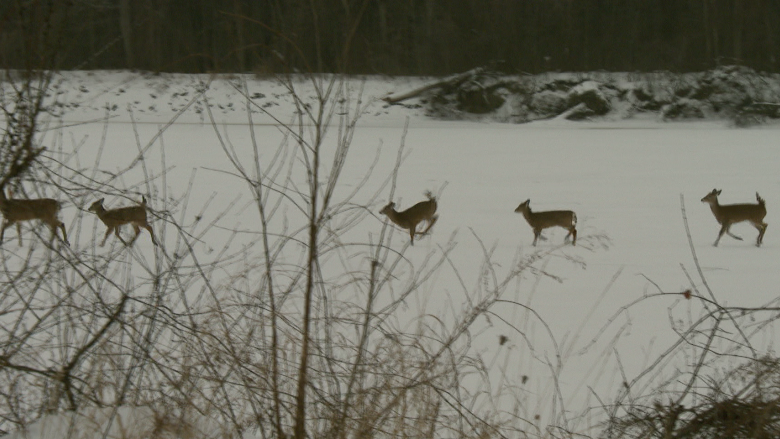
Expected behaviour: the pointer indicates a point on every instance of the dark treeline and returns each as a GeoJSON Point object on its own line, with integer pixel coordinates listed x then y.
{"type": "Point", "coordinates": [399, 37]}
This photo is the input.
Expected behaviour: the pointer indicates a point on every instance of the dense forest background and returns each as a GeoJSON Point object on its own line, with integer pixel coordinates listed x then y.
{"type": "Point", "coordinates": [395, 37]}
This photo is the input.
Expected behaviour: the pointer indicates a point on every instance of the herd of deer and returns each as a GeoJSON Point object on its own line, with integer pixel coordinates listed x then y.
{"type": "Point", "coordinates": [725, 214]}
{"type": "Point", "coordinates": [47, 209]}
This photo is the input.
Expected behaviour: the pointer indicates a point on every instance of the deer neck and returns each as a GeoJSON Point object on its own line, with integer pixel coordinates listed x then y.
{"type": "Point", "coordinates": [529, 216]}
{"type": "Point", "coordinates": [716, 210]}
{"type": "Point", "coordinates": [98, 210]}
{"type": "Point", "coordinates": [395, 217]}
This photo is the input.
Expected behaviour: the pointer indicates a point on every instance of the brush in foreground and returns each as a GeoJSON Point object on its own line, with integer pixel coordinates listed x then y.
{"type": "Point", "coordinates": [551, 218]}
{"type": "Point", "coordinates": [411, 217]}
{"type": "Point", "coordinates": [115, 218]}
{"type": "Point", "coordinates": [728, 214]}
{"type": "Point", "coordinates": [17, 210]}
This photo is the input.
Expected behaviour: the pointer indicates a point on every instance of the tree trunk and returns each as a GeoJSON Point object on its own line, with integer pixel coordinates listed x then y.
{"type": "Point", "coordinates": [126, 27]}
{"type": "Point", "coordinates": [383, 25]}
{"type": "Point", "coordinates": [739, 13]}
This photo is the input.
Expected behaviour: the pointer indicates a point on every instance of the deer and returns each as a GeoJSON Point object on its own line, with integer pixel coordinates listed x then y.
{"type": "Point", "coordinates": [411, 217]}
{"type": "Point", "coordinates": [728, 214]}
{"type": "Point", "coordinates": [546, 219]}
{"type": "Point", "coordinates": [17, 210]}
{"type": "Point", "coordinates": [115, 218]}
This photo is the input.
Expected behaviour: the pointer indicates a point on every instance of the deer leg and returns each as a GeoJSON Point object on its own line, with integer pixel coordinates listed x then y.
{"type": "Point", "coordinates": [108, 232]}
{"type": "Point", "coordinates": [723, 230]}
{"type": "Point", "coordinates": [733, 235]}
{"type": "Point", "coordinates": [573, 233]}
{"type": "Point", "coordinates": [431, 222]}
{"type": "Point", "coordinates": [151, 232]}
{"type": "Point", "coordinates": [116, 232]}
{"type": "Point", "coordinates": [19, 233]}
{"type": "Point", "coordinates": [761, 230]}
{"type": "Point", "coordinates": [64, 233]}
{"type": "Point", "coordinates": [137, 232]}
{"type": "Point", "coordinates": [53, 228]}
{"type": "Point", "coordinates": [537, 232]}
{"type": "Point", "coordinates": [2, 230]}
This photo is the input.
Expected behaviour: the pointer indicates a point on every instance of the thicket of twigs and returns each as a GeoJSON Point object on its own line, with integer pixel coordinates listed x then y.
{"type": "Point", "coordinates": [724, 386]}
{"type": "Point", "coordinates": [300, 333]}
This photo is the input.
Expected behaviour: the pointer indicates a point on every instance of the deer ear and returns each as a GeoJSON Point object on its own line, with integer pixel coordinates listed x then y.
{"type": "Point", "coordinates": [719, 191]}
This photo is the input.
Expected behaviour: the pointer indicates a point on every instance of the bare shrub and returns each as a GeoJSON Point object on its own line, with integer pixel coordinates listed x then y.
{"type": "Point", "coordinates": [725, 389]}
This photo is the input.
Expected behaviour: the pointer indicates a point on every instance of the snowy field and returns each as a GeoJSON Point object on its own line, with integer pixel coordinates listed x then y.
{"type": "Point", "coordinates": [625, 179]}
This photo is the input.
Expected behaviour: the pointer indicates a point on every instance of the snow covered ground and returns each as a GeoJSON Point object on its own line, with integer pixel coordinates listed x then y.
{"type": "Point", "coordinates": [626, 180]}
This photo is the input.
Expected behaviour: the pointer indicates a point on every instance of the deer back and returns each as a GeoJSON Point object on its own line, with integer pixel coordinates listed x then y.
{"type": "Point", "coordinates": [548, 218]}
{"type": "Point", "coordinates": [124, 215]}
{"type": "Point", "coordinates": [24, 210]}
{"type": "Point", "coordinates": [421, 210]}
{"type": "Point", "coordinates": [734, 213]}
{"type": "Point", "coordinates": [409, 218]}
{"type": "Point", "coordinates": [120, 216]}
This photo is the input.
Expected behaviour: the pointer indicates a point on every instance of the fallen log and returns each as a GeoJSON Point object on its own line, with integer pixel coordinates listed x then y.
{"type": "Point", "coordinates": [447, 82]}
